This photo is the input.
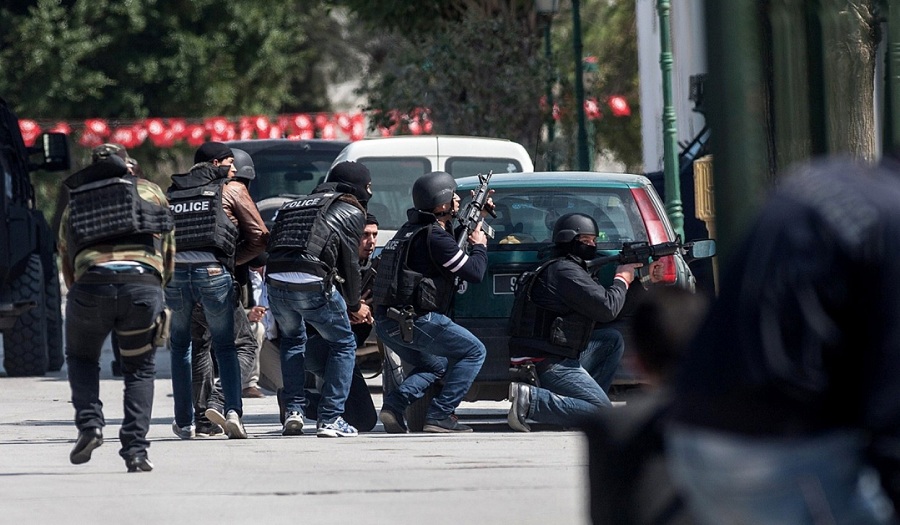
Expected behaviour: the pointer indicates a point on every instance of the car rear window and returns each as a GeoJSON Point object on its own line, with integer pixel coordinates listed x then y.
{"type": "Point", "coordinates": [392, 181]}
{"type": "Point", "coordinates": [466, 166]}
{"type": "Point", "coordinates": [288, 171]}
{"type": "Point", "coordinates": [527, 215]}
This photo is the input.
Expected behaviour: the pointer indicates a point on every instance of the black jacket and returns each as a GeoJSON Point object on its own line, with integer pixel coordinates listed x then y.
{"type": "Point", "coordinates": [567, 286]}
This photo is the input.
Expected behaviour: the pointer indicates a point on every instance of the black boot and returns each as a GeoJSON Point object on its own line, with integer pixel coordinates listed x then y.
{"type": "Point", "coordinates": [88, 440]}
{"type": "Point", "coordinates": [138, 464]}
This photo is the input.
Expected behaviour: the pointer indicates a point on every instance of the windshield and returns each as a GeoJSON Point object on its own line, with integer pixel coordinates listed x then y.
{"type": "Point", "coordinates": [393, 178]}
{"type": "Point", "coordinates": [289, 171]}
{"type": "Point", "coordinates": [527, 215]}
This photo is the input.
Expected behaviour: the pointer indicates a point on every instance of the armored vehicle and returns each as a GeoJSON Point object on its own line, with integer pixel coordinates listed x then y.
{"type": "Point", "coordinates": [30, 311]}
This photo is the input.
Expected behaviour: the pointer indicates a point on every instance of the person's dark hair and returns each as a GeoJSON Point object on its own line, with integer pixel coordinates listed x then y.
{"type": "Point", "coordinates": [663, 324]}
{"type": "Point", "coordinates": [210, 151]}
{"type": "Point", "coordinates": [371, 219]}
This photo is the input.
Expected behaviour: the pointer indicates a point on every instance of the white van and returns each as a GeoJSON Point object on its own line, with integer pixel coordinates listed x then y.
{"type": "Point", "coordinates": [396, 162]}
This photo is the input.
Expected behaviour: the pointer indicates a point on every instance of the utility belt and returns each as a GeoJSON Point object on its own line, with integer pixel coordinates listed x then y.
{"type": "Point", "coordinates": [121, 274]}
{"type": "Point", "coordinates": [317, 286]}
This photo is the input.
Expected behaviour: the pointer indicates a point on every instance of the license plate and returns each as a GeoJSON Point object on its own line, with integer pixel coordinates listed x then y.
{"type": "Point", "coordinates": [504, 283]}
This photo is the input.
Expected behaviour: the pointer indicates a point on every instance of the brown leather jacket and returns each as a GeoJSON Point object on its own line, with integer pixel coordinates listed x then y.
{"type": "Point", "coordinates": [242, 211]}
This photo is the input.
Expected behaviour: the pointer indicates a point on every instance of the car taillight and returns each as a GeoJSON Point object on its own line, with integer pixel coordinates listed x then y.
{"type": "Point", "coordinates": [656, 231]}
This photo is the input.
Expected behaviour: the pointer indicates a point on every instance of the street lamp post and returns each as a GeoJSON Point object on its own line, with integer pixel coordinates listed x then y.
{"type": "Point", "coordinates": [670, 133]}
{"type": "Point", "coordinates": [583, 157]}
{"type": "Point", "coordinates": [548, 8]}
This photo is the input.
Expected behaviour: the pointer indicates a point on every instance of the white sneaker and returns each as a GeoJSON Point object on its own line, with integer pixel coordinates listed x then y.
{"type": "Point", "coordinates": [337, 428]}
{"type": "Point", "coordinates": [293, 424]}
{"type": "Point", "coordinates": [234, 429]}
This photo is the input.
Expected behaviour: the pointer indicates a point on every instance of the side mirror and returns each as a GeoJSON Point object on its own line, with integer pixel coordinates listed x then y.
{"type": "Point", "coordinates": [703, 249]}
{"type": "Point", "coordinates": [54, 151]}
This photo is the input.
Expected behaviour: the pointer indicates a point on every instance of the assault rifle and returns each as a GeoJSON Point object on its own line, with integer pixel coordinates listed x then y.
{"type": "Point", "coordinates": [642, 251]}
{"type": "Point", "coordinates": [471, 216]}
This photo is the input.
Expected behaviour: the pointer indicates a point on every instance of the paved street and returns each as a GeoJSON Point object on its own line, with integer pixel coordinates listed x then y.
{"type": "Point", "coordinates": [491, 476]}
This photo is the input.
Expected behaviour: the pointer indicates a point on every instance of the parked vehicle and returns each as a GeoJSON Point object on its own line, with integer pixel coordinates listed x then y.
{"type": "Point", "coordinates": [30, 304]}
{"type": "Point", "coordinates": [287, 167]}
{"type": "Point", "coordinates": [626, 208]}
{"type": "Point", "coordinates": [396, 162]}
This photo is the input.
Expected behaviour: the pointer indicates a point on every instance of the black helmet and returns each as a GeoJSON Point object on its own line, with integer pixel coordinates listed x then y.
{"type": "Point", "coordinates": [243, 163]}
{"type": "Point", "coordinates": [433, 189]}
{"type": "Point", "coordinates": [572, 225]}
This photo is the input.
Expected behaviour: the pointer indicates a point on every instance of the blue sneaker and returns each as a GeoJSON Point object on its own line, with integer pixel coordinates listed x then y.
{"type": "Point", "coordinates": [337, 428]}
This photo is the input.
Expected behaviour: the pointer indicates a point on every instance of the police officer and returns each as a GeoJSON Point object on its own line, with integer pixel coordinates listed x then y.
{"type": "Point", "coordinates": [314, 245]}
{"type": "Point", "coordinates": [211, 213]}
{"type": "Point", "coordinates": [117, 250]}
{"type": "Point", "coordinates": [414, 289]}
{"type": "Point", "coordinates": [554, 321]}
{"type": "Point", "coordinates": [207, 392]}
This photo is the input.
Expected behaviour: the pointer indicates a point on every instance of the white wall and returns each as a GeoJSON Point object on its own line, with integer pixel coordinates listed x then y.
{"type": "Point", "coordinates": [689, 52]}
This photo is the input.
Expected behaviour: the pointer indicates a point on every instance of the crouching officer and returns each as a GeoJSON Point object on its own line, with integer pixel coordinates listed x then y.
{"type": "Point", "coordinates": [553, 323]}
{"type": "Point", "coordinates": [413, 292]}
{"type": "Point", "coordinates": [117, 249]}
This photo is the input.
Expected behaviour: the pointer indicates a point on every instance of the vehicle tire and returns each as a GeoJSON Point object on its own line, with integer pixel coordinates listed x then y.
{"type": "Point", "coordinates": [53, 309]}
{"type": "Point", "coordinates": [25, 346]}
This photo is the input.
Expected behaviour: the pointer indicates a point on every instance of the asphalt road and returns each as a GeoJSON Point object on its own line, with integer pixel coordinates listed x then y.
{"type": "Point", "coordinates": [493, 475]}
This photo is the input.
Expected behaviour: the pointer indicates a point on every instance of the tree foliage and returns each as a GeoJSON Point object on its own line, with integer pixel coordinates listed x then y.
{"type": "Point", "coordinates": [479, 76]}
{"type": "Point", "coordinates": [169, 58]}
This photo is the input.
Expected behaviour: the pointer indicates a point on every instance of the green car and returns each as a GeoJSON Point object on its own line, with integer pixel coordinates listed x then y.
{"type": "Point", "coordinates": [626, 208]}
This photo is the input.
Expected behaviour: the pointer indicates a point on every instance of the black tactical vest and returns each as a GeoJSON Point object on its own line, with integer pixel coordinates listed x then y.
{"type": "Point", "coordinates": [535, 330]}
{"type": "Point", "coordinates": [300, 230]}
{"type": "Point", "coordinates": [201, 223]}
{"type": "Point", "coordinates": [111, 211]}
{"type": "Point", "coordinates": [397, 285]}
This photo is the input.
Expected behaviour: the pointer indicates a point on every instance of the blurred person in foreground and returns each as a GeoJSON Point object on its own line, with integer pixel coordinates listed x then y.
{"type": "Point", "coordinates": [630, 482]}
{"type": "Point", "coordinates": [118, 251]}
{"type": "Point", "coordinates": [786, 407]}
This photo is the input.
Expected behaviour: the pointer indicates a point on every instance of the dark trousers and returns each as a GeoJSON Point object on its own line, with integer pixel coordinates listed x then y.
{"type": "Point", "coordinates": [93, 310]}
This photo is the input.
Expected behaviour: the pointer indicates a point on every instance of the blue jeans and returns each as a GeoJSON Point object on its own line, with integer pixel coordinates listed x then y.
{"type": "Point", "coordinates": [729, 478]}
{"type": "Point", "coordinates": [215, 293]}
{"type": "Point", "coordinates": [568, 395]}
{"type": "Point", "coordinates": [327, 312]}
{"type": "Point", "coordinates": [440, 348]}
{"type": "Point", "coordinates": [602, 355]}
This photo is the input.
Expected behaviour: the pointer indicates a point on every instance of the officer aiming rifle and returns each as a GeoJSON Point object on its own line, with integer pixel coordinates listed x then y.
{"type": "Point", "coordinates": [642, 251]}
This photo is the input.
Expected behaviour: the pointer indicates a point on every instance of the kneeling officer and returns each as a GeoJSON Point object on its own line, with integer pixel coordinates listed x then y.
{"type": "Point", "coordinates": [117, 249]}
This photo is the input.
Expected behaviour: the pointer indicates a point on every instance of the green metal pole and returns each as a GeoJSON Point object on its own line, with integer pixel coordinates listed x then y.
{"type": "Point", "coordinates": [892, 100]}
{"type": "Point", "coordinates": [584, 163]}
{"type": "Point", "coordinates": [737, 109]}
{"type": "Point", "coordinates": [670, 131]}
{"type": "Point", "coordinates": [551, 124]}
